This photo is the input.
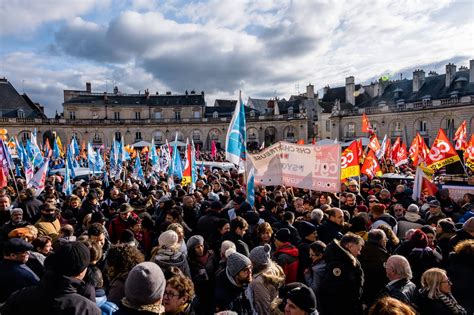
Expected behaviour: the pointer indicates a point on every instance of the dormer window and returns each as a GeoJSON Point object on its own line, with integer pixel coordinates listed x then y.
{"type": "Point", "coordinates": [215, 115]}
{"type": "Point", "coordinates": [397, 93]}
{"type": "Point", "coordinates": [459, 83]}
{"type": "Point", "coordinates": [20, 113]}
{"type": "Point", "coordinates": [252, 113]}
{"type": "Point", "coordinates": [290, 110]}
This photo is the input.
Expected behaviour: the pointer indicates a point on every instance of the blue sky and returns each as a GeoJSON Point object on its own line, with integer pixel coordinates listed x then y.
{"type": "Point", "coordinates": [264, 48]}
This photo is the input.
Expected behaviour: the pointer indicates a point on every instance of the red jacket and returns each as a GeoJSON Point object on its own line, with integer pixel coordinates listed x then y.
{"type": "Point", "coordinates": [287, 257]}
{"type": "Point", "coordinates": [117, 226]}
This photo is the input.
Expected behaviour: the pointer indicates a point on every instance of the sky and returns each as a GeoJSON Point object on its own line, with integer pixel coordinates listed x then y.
{"type": "Point", "coordinates": [263, 48]}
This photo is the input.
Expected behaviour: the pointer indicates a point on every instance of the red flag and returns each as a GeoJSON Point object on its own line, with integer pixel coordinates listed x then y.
{"type": "Point", "coordinates": [360, 150]}
{"type": "Point", "coordinates": [313, 142]}
{"type": "Point", "coordinates": [388, 149]}
{"type": "Point", "coordinates": [469, 154]}
{"type": "Point", "coordinates": [414, 149]}
{"type": "Point", "coordinates": [187, 171]}
{"type": "Point", "coordinates": [371, 166]}
{"type": "Point", "coordinates": [374, 143]}
{"type": "Point", "coordinates": [301, 141]}
{"type": "Point", "coordinates": [213, 150]}
{"type": "Point", "coordinates": [350, 161]}
{"type": "Point", "coordinates": [442, 152]}
{"type": "Point", "coordinates": [3, 178]}
{"type": "Point", "coordinates": [401, 156]}
{"type": "Point", "coordinates": [366, 126]}
{"type": "Point", "coordinates": [461, 137]}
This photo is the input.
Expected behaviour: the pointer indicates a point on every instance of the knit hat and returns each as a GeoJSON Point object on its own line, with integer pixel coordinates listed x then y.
{"type": "Point", "coordinates": [70, 259]}
{"type": "Point", "coordinates": [16, 210]}
{"type": "Point", "coordinates": [362, 208]}
{"type": "Point", "coordinates": [168, 239]}
{"type": "Point", "coordinates": [447, 226]}
{"type": "Point", "coordinates": [305, 228]}
{"type": "Point", "coordinates": [468, 226]}
{"type": "Point", "coordinates": [145, 284]}
{"type": "Point", "coordinates": [303, 297]}
{"type": "Point", "coordinates": [260, 255]}
{"type": "Point", "coordinates": [283, 235]}
{"type": "Point", "coordinates": [236, 262]}
{"type": "Point", "coordinates": [419, 239]}
{"type": "Point", "coordinates": [125, 208]}
{"type": "Point", "coordinates": [194, 241]}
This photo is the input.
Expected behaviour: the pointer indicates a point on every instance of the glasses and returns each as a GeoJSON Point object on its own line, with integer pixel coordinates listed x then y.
{"type": "Point", "coordinates": [447, 281]}
{"type": "Point", "coordinates": [170, 294]}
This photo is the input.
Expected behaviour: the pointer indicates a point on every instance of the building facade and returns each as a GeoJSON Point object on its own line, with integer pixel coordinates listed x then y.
{"type": "Point", "coordinates": [101, 117]}
{"type": "Point", "coordinates": [401, 108]}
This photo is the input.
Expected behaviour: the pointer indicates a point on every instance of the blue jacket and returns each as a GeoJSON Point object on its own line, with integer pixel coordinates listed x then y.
{"type": "Point", "coordinates": [14, 276]}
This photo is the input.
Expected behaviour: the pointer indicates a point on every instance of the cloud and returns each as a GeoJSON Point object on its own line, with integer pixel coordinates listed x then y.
{"type": "Point", "coordinates": [24, 16]}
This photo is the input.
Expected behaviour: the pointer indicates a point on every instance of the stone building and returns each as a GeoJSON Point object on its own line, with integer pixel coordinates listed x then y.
{"type": "Point", "coordinates": [401, 108]}
{"type": "Point", "coordinates": [102, 117]}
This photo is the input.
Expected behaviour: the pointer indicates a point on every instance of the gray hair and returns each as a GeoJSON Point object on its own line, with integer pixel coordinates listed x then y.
{"type": "Point", "coordinates": [317, 214]}
{"type": "Point", "coordinates": [400, 266]}
{"type": "Point", "coordinates": [413, 208]}
{"type": "Point", "coordinates": [375, 236]}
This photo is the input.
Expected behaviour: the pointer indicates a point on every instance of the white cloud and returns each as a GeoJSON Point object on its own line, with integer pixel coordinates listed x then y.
{"type": "Point", "coordinates": [24, 16]}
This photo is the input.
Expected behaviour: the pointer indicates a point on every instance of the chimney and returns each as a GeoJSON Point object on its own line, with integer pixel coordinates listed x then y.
{"type": "Point", "coordinates": [418, 79]}
{"type": "Point", "coordinates": [116, 90]}
{"type": "Point", "coordinates": [471, 71]}
{"type": "Point", "coordinates": [350, 89]}
{"type": "Point", "coordinates": [310, 91]}
{"type": "Point", "coordinates": [450, 73]}
{"type": "Point", "coordinates": [88, 87]}
{"type": "Point", "coordinates": [432, 73]}
{"type": "Point", "coordinates": [105, 97]}
{"type": "Point", "coordinates": [147, 94]}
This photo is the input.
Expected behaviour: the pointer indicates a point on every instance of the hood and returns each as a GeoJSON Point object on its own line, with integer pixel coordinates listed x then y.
{"type": "Point", "coordinates": [412, 217]}
{"type": "Point", "coordinates": [288, 249]}
{"type": "Point", "coordinates": [273, 275]}
{"type": "Point", "coordinates": [335, 252]}
{"type": "Point", "coordinates": [169, 256]}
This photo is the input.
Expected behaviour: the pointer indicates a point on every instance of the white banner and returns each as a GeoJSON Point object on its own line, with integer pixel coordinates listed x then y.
{"type": "Point", "coordinates": [302, 166]}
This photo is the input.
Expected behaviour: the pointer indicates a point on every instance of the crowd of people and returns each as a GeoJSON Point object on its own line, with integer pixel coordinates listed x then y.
{"type": "Point", "coordinates": [133, 247]}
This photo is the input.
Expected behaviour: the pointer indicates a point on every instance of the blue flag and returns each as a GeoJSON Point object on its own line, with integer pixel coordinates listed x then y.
{"type": "Point", "coordinates": [70, 163]}
{"type": "Point", "coordinates": [251, 187]}
{"type": "Point", "coordinates": [137, 170]}
{"type": "Point", "coordinates": [67, 186]}
{"type": "Point", "coordinates": [236, 139]}
{"type": "Point", "coordinates": [176, 167]}
{"type": "Point", "coordinates": [154, 160]}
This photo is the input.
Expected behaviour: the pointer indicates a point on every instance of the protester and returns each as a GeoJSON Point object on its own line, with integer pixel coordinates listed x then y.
{"type": "Point", "coordinates": [398, 271]}
{"type": "Point", "coordinates": [286, 255]}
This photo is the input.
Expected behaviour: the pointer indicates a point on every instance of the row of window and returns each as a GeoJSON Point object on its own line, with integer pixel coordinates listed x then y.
{"type": "Point", "coordinates": [138, 115]}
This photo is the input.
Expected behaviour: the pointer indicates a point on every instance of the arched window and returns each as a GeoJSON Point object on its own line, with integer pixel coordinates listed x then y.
{"type": "Point", "coordinates": [215, 115]}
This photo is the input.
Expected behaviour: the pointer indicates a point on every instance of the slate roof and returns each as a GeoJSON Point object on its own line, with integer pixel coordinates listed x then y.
{"type": "Point", "coordinates": [433, 87]}
{"type": "Point", "coordinates": [11, 101]}
{"type": "Point", "coordinates": [226, 108]}
{"type": "Point", "coordinates": [139, 100]}
{"type": "Point", "coordinates": [225, 103]}
{"type": "Point", "coordinates": [258, 104]}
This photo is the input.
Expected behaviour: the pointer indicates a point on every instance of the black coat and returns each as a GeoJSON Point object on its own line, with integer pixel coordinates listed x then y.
{"type": "Point", "coordinates": [55, 295]}
{"type": "Point", "coordinates": [341, 282]}
{"type": "Point", "coordinates": [461, 273]}
{"type": "Point", "coordinates": [372, 259]}
{"type": "Point", "coordinates": [228, 296]}
{"type": "Point", "coordinates": [328, 231]}
{"type": "Point", "coordinates": [427, 306]}
{"type": "Point", "coordinates": [14, 276]}
{"type": "Point", "coordinates": [402, 289]}
{"type": "Point", "coordinates": [240, 246]}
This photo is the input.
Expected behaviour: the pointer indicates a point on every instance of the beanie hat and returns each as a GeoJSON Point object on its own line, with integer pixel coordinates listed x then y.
{"type": "Point", "coordinates": [283, 235]}
{"type": "Point", "coordinates": [236, 262]}
{"type": "Point", "coordinates": [303, 297]}
{"type": "Point", "coordinates": [70, 259]}
{"type": "Point", "coordinates": [419, 239]}
{"type": "Point", "coordinates": [306, 228]}
{"type": "Point", "coordinates": [468, 226]}
{"type": "Point", "coordinates": [260, 255]}
{"type": "Point", "coordinates": [145, 284]}
{"type": "Point", "coordinates": [16, 210]}
{"type": "Point", "coordinates": [447, 226]}
{"type": "Point", "coordinates": [362, 208]}
{"type": "Point", "coordinates": [168, 239]}
{"type": "Point", "coordinates": [194, 241]}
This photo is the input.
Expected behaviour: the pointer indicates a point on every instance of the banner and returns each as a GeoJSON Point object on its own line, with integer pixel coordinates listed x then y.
{"type": "Point", "coordinates": [301, 166]}
{"type": "Point", "coordinates": [371, 166]}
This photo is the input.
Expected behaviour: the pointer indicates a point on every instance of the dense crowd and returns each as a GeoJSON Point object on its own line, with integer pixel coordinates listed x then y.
{"type": "Point", "coordinates": [133, 247]}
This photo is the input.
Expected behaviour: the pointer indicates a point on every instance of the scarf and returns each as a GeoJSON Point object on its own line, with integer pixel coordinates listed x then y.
{"type": "Point", "coordinates": [452, 304]}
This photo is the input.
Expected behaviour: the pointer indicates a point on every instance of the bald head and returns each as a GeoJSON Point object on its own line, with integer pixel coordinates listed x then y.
{"type": "Point", "coordinates": [336, 215]}
{"type": "Point", "coordinates": [398, 267]}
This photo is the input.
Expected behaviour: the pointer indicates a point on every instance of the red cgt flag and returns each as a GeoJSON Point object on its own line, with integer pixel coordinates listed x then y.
{"type": "Point", "coordinates": [350, 161]}
{"type": "Point", "coordinates": [442, 152]}
{"type": "Point", "coordinates": [371, 166]}
{"type": "Point", "coordinates": [374, 143]}
{"type": "Point", "coordinates": [366, 126]}
{"type": "Point", "coordinates": [461, 137]}
{"type": "Point", "coordinates": [401, 157]}
{"type": "Point", "coordinates": [469, 154]}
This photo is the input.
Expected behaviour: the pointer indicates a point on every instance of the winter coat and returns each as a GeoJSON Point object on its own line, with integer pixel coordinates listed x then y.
{"type": "Point", "coordinates": [427, 306]}
{"type": "Point", "coordinates": [117, 226]}
{"type": "Point", "coordinates": [421, 260]}
{"type": "Point", "coordinates": [31, 210]}
{"type": "Point", "coordinates": [409, 221]}
{"type": "Point", "coordinates": [203, 276]}
{"type": "Point", "coordinates": [388, 220]}
{"type": "Point", "coordinates": [117, 288]}
{"type": "Point", "coordinates": [167, 258]}
{"type": "Point", "coordinates": [372, 260]}
{"type": "Point", "coordinates": [304, 261]}
{"type": "Point", "coordinates": [461, 273]}
{"type": "Point", "coordinates": [36, 263]}
{"type": "Point", "coordinates": [329, 231]}
{"type": "Point", "coordinates": [341, 283]}
{"type": "Point", "coordinates": [401, 289]}
{"type": "Point", "coordinates": [240, 245]}
{"type": "Point", "coordinates": [287, 257]}
{"type": "Point", "coordinates": [15, 275]}
{"type": "Point", "coordinates": [228, 296]}
{"type": "Point", "coordinates": [48, 228]}
{"type": "Point", "coordinates": [8, 227]}
{"type": "Point", "coordinates": [313, 277]}
{"type": "Point", "coordinates": [207, 224]}
{"type": "Point", "coordinates": [55, 295]}
{"type": "Point", "coordinates": [264, 288]}
{"type": "Point", "coordinates": [443, 244]}
{"type": "Point", "coordinates": [433, 219]}
{"type": "Point", "coordinates": [294, 236]}
{"type": "Point", "coordinates": [461, 235]}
